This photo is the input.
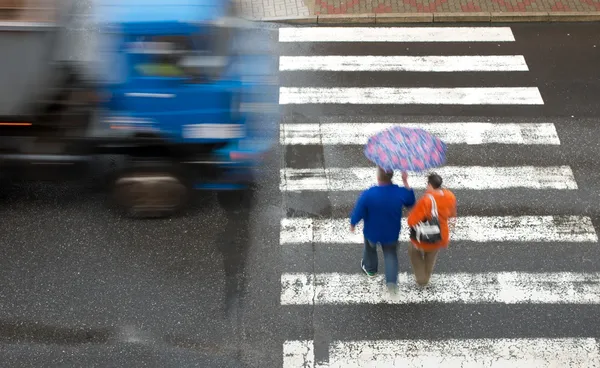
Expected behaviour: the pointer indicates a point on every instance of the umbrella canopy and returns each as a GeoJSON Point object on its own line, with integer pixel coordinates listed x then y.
{"type": "Point", "coordinates": [405, 149]}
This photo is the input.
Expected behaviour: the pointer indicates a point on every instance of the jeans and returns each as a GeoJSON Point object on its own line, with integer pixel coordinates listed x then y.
{"type": "Point", "coordinates": [390, 257]}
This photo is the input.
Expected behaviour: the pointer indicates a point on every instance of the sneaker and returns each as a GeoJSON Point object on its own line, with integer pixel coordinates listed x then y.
{"type": "Point", "coordinates": [392, 288]}
{"type": "Point", "coordinates": [370, 274]}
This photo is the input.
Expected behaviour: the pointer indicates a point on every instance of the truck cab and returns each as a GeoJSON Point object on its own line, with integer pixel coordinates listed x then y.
{"type": "Point", "coordinates": [196, 81]}
{"type": "Point", "coordinates": [174, 86]}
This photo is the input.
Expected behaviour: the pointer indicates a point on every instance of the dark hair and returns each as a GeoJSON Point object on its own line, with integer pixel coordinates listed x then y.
{"type": "Point", "coordinates": [384, 175]}
{"type": "Point", "coordinates": [434, 180]}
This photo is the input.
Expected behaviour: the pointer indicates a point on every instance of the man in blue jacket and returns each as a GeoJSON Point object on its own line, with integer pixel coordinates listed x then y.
{"type": "Point", "coordinates": [380, 208]}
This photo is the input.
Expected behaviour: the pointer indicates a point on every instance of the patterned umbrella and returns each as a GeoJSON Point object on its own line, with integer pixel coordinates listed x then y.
{"type": "Point", "coordinates": [405, 149]}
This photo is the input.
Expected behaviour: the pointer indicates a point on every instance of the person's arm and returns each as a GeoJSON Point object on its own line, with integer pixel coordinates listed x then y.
{"type": "Point", "coordinates": [409, 198]}
{"type": "Point", "coordinates": [405, 180]}
{"type": "Point", "coordinates": [453, 214]}
{"type": "Point", "coordinates": [418, 212]}
{"type": "Point", "coordinates": [359, 211]}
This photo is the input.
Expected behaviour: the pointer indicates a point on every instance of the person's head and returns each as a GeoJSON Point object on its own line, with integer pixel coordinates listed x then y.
{"type": "Point", "coordinates": [383, 176]}
{"type": "Point", "coordinates": [434, 181]}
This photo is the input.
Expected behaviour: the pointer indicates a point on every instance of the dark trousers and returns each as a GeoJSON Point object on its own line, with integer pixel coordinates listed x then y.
{"type": "Point", "coordinates": [390, 256]}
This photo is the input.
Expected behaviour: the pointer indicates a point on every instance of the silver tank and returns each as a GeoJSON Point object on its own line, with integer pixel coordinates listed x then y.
{"type": "Point", "coordinates": [33, 42]}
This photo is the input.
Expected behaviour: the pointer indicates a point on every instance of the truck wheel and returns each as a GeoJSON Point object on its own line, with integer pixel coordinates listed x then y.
{"type": "Point", "coordinates": [149, 194]}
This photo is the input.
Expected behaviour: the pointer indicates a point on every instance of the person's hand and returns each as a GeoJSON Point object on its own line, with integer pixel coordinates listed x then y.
{"type": "Point", "coordinates": [405, 179]}
{"type": "Point", "coordinates": [351, 228]}
{"type": "Point", "coordinates": [452, 223]}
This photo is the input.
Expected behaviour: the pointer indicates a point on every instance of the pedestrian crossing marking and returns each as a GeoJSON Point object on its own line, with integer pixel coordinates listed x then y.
{"type": "Point", "coordinates": [409, 96]}
{"type": "Point", "coordinates": [396, 34]}
{"type": "Point", "coordinates": [532, 229]}
{"type": "Point", "coordinates": [466, 63]}
{"type": "Point", "coordinates": [309, 289]}
{"type": "Point", "coordinates": [465, 288]}
{"type": "Point", "coordinates": [448, 353]}
{"type": "Point", "coordinates": [472, 133]}
{"type": "Point", "coordinates": [455, 177]}
{"type": "Point", "coordinates": [298, 354]}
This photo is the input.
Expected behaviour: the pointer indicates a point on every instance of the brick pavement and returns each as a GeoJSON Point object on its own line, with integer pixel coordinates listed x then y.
{"type": "Point", "coordinates": [285, 8]}
{"type": "Point", "coordinates": [257, 9]}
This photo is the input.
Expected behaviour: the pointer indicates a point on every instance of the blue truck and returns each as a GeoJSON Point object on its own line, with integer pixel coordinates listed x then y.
{"type": "Point", "coordinates": [153, 99]}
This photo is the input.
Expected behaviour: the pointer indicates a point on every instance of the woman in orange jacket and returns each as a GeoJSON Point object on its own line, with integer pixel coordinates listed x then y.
{"type": "Point", "coordinates": [422, 254]}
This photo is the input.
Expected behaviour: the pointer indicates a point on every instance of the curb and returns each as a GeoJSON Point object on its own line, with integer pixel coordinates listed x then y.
{"type": "Point", "coordinates": [457, 17]}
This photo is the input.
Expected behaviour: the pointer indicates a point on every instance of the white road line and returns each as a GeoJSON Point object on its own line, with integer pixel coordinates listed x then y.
{"type": "Point", "coordinates": [530, 229]}
{"type": "Point", "coordinates": [451, 133]}
{"type": "Point", "coordinates": [299, 354]}
{"type": "Point", "coordinates": [418, 96]}
{"type": "Point", "coordinates": [396, 34]}
{"type": "Point", "coordinates": [493, 63]}
{"type": "Point", "coordinates": [464, 288]}
{"type": "Point", "coordinates": [450, 353]}
{"type": "Point", "coordinates": [455, 177]}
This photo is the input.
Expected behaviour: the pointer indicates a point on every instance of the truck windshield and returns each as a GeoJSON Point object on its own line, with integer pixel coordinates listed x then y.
{"type": "Point", "coordinates": [200, 55]}
{"type": "Point", "coordinates": [160, 55]}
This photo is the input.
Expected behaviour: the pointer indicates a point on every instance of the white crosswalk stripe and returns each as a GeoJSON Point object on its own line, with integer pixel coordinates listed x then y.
{"type": "Point", "coordinates": [417, 96]}
{"type": "Point", "coordinates": [505, 288]}
{"type": "Point", "coordinates": [474, 133]}
{"type": "Point", "coordinates": [478, 63]}
{"type": "Point", "coordinates": [396, 34]}
{"type": "Point", "coordinates": [450, 353]}
{"type": "Point", "coordinates": [458, 177]}
{"type": "Point", "coordinates": [338, 139]}
{"type": "Point", "coordinates": [468, 228]}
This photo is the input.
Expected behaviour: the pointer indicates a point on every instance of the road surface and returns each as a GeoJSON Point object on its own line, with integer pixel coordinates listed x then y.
{"type": "Point", "coordinates": [278, 283]}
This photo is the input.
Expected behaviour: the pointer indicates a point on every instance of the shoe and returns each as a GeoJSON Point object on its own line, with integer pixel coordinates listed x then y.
{"type": "Point", "coordinates": [370, 274]}
{"type": "Point", "coordinates": [392, 288]}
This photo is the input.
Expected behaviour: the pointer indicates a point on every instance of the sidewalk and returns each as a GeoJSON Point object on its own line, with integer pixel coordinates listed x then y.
{"type": "Point", "coordinates": [258, 9]}
{"type": "Point", "coordinates": [365, 11]}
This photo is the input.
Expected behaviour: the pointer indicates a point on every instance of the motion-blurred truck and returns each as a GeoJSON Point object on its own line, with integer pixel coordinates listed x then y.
{"type": "Point", "coordinates": [150, 98]}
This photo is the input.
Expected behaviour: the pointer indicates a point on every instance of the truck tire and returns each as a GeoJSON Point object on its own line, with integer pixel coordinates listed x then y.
{"type": "Point", "coordinates": [150, 190]}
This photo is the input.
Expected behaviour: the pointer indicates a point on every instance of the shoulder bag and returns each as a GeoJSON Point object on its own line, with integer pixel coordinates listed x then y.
{"type": "Point", "coordinates": [428, 231]}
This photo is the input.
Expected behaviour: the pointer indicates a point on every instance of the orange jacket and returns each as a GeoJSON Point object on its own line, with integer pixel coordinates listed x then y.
{"type": "Point", "coordinates": [446, 206]}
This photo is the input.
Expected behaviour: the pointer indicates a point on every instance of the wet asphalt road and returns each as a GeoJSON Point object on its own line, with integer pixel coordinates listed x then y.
{"type": "Point", "coordinates": [82, 286]}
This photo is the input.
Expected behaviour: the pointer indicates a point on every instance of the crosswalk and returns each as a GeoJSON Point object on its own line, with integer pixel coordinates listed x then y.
{"type": "Point", "coordinates": [323, 160]}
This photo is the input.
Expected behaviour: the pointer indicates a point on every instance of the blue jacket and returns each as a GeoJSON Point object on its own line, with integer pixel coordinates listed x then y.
{"type": "Point", "coordinates": [380, 207]}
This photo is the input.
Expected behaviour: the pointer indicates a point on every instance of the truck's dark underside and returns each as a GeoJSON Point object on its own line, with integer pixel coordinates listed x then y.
{"type": "Point", "coordinates": [38, 156]}
{"type": "Point", "coordinates": [140, 171]}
